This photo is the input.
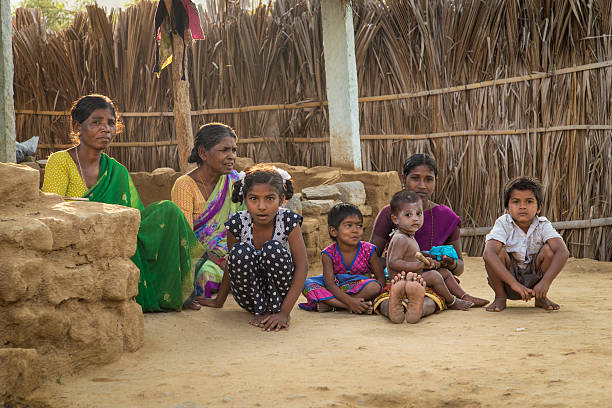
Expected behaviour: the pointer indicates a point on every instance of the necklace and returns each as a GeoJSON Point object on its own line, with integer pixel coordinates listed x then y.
{"type": "Point", "coordinates": [76, 151]}
{"type": "Point", "coordinates": [206, 195]}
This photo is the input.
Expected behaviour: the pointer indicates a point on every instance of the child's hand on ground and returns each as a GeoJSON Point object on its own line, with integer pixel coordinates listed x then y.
{"type": "Point", "coordinates": [275, 322]}
{"type": "Point", "coordinates": [541, 289]}
{"type": "Point", "coordinates": [208, 302]}
{"type": "Point", "coordinates": [525, 292]}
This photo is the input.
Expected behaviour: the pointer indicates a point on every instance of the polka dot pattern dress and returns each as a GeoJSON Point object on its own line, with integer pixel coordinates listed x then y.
{"type": "Point", "coordinates": [261, 278]}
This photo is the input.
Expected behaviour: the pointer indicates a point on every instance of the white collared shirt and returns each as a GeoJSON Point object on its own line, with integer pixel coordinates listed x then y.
{"type": "Point", "coordinates": [522, 246]}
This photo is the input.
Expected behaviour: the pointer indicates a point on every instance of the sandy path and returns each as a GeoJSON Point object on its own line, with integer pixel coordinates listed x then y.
{"type": "Point", "coordinates": [213, 358]}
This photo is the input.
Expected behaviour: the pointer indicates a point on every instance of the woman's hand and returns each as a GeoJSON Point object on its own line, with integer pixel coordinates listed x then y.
{"type": "Point", "coordinates": [275, 322]}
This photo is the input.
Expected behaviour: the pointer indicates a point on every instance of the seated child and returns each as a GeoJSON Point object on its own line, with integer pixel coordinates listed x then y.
{"type": "Point", "coordinates": [523, 253]}
{"type": "Point", "coordinates": [266, 263]}
{"type": "Point", "coordinates": [345, 285]}
{"type": "Point", "coordinates": [403, 256]}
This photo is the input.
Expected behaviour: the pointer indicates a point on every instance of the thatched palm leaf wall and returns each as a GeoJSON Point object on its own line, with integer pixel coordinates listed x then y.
{"type": "Point", "coordinates": [273, 55]}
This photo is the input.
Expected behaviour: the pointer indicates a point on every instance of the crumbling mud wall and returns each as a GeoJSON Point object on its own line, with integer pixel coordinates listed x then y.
{"type": "Point", "coordinates": [67, 285]}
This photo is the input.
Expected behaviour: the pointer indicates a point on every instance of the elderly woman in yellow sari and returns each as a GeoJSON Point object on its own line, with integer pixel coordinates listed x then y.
{"type": "Point", "coordinates": [204, 194]}
{"type": "Point", "coordinates": [167, 247]}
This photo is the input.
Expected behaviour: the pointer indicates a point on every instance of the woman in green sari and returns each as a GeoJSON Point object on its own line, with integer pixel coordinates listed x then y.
{"type": "Point", "coordinates": [167, 247]}
{"type": "Point", "coordinates": [204, 194]}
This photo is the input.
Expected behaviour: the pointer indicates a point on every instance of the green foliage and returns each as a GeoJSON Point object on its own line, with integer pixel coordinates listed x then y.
{"type": "Point", "coordinates": [56, 12]}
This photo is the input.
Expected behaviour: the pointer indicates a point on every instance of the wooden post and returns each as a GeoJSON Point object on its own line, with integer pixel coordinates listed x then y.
{"type": "Point", "coordinates": [180, 96]}
{"type": "Point", "coordinates": [7, 112]}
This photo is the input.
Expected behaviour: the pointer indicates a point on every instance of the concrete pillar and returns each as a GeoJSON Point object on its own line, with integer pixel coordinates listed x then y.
{"type": "Point", "coordinates": [341, 82]}
{"type": "Point", "coordinates": [7, 108]}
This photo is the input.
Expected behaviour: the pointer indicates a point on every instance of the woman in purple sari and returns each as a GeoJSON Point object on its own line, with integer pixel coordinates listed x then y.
{"type": "Point", "coordinates": [204, 195]}
{"type": "Point", "coordinates": [441, 226]}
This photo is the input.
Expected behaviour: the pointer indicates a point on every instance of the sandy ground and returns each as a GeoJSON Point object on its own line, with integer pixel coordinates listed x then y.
{"type": "Point", "coordinates": [520, 357]}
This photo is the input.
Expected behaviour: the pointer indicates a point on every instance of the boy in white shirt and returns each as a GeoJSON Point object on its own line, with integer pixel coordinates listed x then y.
{"type": "Point", "coordinates": [523, 252]}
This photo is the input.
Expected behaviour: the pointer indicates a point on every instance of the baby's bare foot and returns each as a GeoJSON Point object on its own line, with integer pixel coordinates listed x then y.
{"type": "Point", "coordinates": [256, 320]}
{"type": "Point", "coordinates": [459, 304]}
{"type": "Point", "coordinates": [478, 302]}
{"type": "Point", "coordinates": [397, 293]}
{"type": "Point", "coordinates": [547, 304]}
{"type": "Point", "coordinates": [415, 293]}
{"type": "Point", "coordinates": [498, 305]}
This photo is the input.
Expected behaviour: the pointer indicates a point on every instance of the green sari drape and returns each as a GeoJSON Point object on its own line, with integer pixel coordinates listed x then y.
{"type": "Point", "coordinates": [167, 248]}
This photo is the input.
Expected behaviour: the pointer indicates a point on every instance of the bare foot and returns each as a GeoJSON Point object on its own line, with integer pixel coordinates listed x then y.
{"type": "Point", "coordinates": [323, 307]}
{"type": "Point", "coordinates": [498, 305]}
{"type": "Point", "coordinates": [397, 293]}
{"type": "Point", "coordinates": [547, 304]}
{"type": "Point", "coordinates": [478, 302]}
{"type": "Point", "coordinates": [459, 304]}
{"type": "Point", "coordinates": [415, 293]}
{"type": "Point", "coordinates": [193, 306]}
{"type": "Point", "coordinates": [370, 309]}
{"type": "Point", "coordinates": [256, 320]}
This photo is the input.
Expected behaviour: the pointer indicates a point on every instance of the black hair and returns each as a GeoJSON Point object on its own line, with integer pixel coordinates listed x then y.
{"type": "Point", "coordinates": [403, 197]}
{"type": "Point", "coordinates": [523, 183]}
{"type": "Point", "coordinates": [261, 174]}
{"type": "Point", "coordinates": [83, 107]}
{"type": "Point", "coordinates": [208, 136]}
{"type": "Point", "coordinates": [419, 159]}
{"type": "Point", "coordinates": [339, 213]}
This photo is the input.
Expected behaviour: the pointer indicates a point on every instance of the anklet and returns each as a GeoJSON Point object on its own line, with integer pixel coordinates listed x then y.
{"type": "Point", "coordinates": [463, 296]}
{"type": "Point", "coordinates": [453, 302]}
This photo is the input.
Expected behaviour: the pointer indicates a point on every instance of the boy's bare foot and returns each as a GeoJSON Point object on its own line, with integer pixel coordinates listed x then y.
{"type": "Point", "coordinates": [478, 302]}
{"type": "Point", "coordinates": [323, 307]}
{"type": "Point", "coordinates": [256, 320]}
{"type": "Point", "coordinates": [547, 304]}
{"type": "Point", "coordinates": [498, 305]}
{"type": "Point", "coordinates": [459, 304]}
{"type": "Point", "coordinates": [397, 293]}
{"type": "Point", "coordinates": [415, 293]}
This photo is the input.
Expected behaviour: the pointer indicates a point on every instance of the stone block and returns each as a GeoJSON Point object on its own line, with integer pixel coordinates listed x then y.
{"type": "Point", "coordinates": [32, 164]}
{"type": "Point", "coordinates": [66, 282]}
{"type": "Point", "coordinates": [19, 183]}
{"type": "Point", "coordinates": [310, 225]}
{"type": "Point", "coordinates": [100, 225]}
{"type": "Point", "coordinates": [133, 326]}
{"type": "Point", "coordinates": [120, 280]}
{"type": "Point", "coordinates": [352, 192]}
{"type": "Point", "coordinates": [310, 208]}
{"type": "Point", "coordinates": [12, 285]}
{"type": "Point", "coordinates": [243, 163]}
{"type": "Point", "coordinates": [320, 193]}
{"type": "Point", "coordinates": [325, 205]}
{"type": "Point", "coordinates": [27, 233]}
{"type": "Point", "coordinates": [379, 187]}
{"type": "Point", "coordinates": [295, 204]}
{"type": "Point", "coordinates": [155, 186]}
{"type": "Point", "coordinates": [366, 210]}
{"type": "Point", "coordinates": [64, 230]}
{"type": "Point", "coordinates": [52, 324]}
{"type": "Point", "coordinates": [20, 374]}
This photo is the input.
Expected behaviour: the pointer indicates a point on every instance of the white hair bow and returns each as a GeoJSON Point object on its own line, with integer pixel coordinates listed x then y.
{"type": "Point", "coordinates": [283, 173]}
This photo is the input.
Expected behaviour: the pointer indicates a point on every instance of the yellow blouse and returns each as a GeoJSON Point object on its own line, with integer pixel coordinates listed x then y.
{"type": "Point", "coordinates": [188, 197]}
{"type": "Point", "coordinates": [62, 176]}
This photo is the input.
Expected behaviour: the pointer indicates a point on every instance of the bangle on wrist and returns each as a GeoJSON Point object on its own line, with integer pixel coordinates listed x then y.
{"type": "Point", "coordinates": [456, 264]}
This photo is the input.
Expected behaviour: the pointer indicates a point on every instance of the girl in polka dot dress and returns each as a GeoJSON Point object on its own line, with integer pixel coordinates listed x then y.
{"type": "Point", "coordinates": [267, 263]}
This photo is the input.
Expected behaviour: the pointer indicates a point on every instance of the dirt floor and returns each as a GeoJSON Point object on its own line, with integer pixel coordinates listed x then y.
{"type": "Point", "coordinates": [520, 357]}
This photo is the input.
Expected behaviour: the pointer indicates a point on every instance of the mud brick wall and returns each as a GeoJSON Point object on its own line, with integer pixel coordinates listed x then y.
{"type": "Point", "coordinates": [67, 285]}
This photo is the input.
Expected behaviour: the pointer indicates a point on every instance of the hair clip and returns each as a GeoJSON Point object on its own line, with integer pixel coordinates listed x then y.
{"type": "Point", "coordinates": [283, 173]}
